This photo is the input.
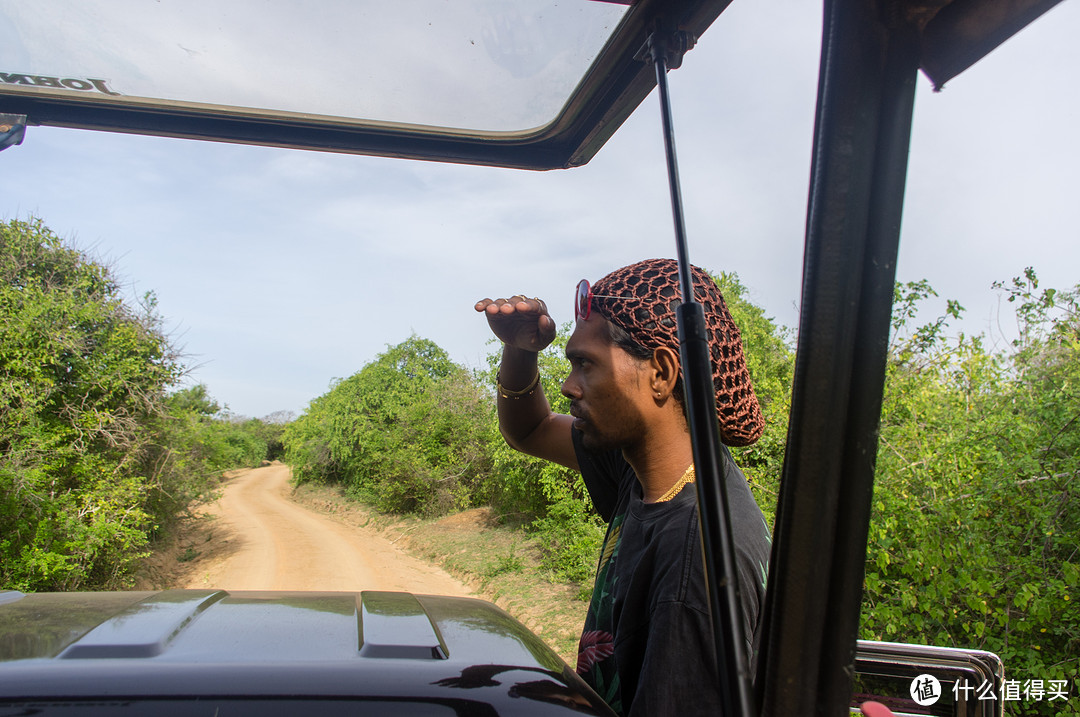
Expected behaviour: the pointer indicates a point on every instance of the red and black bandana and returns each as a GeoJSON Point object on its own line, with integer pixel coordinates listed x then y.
{"type": "Point", "coordinates": [650, 319]}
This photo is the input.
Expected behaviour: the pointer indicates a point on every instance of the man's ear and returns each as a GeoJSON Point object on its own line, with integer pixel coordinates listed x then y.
{"type": "Point", "coordinates": [665, 371]}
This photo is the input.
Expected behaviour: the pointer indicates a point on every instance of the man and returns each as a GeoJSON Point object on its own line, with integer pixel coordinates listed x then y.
{"type": "Point", "coordinates": [646, 647]}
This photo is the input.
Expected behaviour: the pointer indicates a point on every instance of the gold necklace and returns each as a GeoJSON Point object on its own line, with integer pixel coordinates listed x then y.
{"type": "Point", "coordinates": [687, 477]}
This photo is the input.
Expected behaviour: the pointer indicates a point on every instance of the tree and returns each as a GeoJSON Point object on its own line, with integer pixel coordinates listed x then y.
{"type": "Point", "coordinates": [975, 538]}
{"type": "Point", "coordinates": [408, 432]}
{"type": "Point", "coordinates": [82, 373]}
{"type": "Point", "coordinates": [194, 441]}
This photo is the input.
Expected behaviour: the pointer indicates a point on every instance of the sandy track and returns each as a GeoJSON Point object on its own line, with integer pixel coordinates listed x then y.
{"type": "Point", "coordinates": [268, 542]}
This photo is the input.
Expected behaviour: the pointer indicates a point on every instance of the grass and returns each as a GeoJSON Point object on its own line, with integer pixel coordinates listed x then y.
{"type": "Point", "coordinates": [493, 555]}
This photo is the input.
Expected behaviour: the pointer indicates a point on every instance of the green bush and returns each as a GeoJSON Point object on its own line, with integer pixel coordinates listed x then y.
{"type": "Point", "coordinates": [82, 380]}
{"type": "Point", "coordinates": [771, 363]}
{"type": "Point", "coordinates": [407, 433]}
{"type": "Point", "coordinates": [194, 441]}
{"type": "Point", "coordinates": [975, 538]}
{"type": "Point", "coordinates": [96, 457]}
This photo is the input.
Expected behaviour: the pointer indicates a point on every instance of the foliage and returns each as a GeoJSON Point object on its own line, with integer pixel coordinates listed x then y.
{"type": "Point", "coordinates": [271, 429]}
{"type": "Point", "coordinates": [975, 540]}
{"type": "Point", "coordinates": [193, 443]}
{"type": "Point", "coordinates": [408, 432]}
{"type": "Point", "coordinates": [81, 375]}
{"type": "Point", "coordinates": [771, 363]}
{"type": "Point", "coordinates": [209, 438]}
{"type": "Point", "coordinates": [95, 456]}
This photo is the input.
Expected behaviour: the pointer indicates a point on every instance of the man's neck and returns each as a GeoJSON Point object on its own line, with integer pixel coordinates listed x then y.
{"type": "Point", "coordinates": [660, 463]}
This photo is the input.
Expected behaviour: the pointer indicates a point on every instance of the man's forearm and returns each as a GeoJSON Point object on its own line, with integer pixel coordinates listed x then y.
{"type": "Point", "coordinates": [522, 404]}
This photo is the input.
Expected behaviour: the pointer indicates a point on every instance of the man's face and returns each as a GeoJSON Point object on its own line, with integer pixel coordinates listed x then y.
{"type": "Point", "coordinates": [606, 386]}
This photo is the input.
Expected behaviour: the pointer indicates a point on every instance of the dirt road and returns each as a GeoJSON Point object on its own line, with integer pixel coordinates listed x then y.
{"type": "Point", "coordinates": [262, 540]}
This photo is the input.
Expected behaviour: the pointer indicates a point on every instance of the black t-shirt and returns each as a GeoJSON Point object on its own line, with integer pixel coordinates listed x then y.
{"type": "Point", "coordinates": [647, 646]}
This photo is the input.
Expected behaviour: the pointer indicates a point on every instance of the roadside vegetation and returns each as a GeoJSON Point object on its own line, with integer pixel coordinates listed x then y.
{"type": "Point", "coordinates": [975, 538]}
{"type": "Point", "coordinates": [100, 451]}
{"type": "Point", "coordinates": [974, 541]}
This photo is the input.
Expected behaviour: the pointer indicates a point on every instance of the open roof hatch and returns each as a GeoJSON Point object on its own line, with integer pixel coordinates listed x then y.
{"type": "Point", "coordinates": [537, 84]}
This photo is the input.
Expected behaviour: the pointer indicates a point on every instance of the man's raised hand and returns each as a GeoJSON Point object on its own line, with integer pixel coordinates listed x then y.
{"type": "Point", "coordinates": [519, 322]}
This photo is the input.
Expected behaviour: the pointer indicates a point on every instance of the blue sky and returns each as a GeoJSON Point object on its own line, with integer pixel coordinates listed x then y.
{"type": "Point", "coordinates": [279, 270]}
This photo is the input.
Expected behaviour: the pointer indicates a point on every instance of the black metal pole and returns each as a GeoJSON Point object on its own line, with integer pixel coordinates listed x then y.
{"type": "Point", "coordinates": [718, 549]}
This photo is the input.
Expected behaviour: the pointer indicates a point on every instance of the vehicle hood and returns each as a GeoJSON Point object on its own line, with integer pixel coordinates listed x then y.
{"type": "Point", "coordinates": [206, 643]}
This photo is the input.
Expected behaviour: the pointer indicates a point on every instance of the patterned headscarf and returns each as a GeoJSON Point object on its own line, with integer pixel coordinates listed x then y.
{"type": "Point", "coordinates": [650, 320]}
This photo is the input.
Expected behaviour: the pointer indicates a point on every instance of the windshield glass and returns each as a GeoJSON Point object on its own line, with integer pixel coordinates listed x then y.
{"type": "Point", "coordinates": [484, 65]}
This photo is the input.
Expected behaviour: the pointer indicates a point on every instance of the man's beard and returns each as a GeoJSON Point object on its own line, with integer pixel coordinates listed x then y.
{"type": "Point", "coordinates": [597, 441]}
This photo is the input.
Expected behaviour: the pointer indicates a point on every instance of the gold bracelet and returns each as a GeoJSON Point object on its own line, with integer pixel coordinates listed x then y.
{"type": "Point", "coordinates": [527, 391]}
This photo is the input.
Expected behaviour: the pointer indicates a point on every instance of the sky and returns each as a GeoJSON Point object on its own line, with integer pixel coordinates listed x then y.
{"type": "Point", "coordinates": [278, 271]}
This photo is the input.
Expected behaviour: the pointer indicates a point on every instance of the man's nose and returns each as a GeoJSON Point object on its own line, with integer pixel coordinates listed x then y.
{"type": "Point", "coordinates": [570, 387]}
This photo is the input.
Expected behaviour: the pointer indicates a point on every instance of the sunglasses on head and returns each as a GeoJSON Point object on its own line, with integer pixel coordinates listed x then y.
{"type": "Point", "coordinates": [583, 300]}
